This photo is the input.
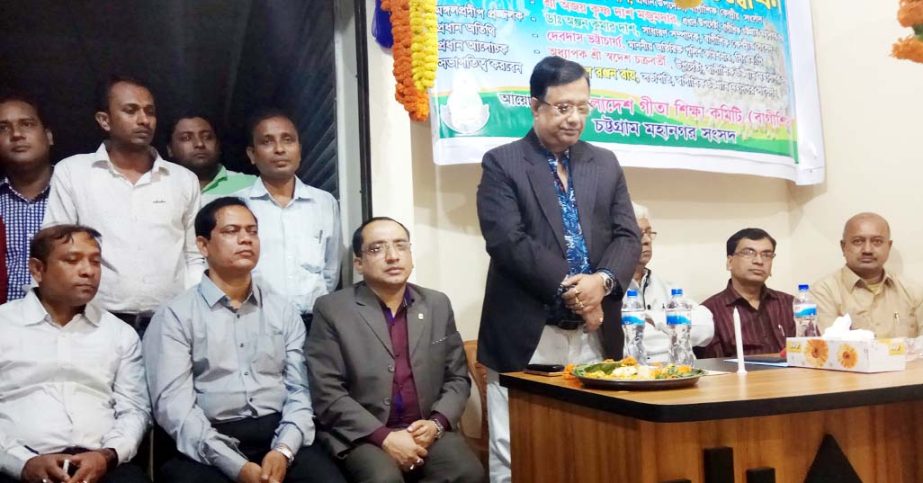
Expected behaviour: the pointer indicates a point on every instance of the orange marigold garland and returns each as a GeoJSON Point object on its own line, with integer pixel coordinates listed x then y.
{"type": "Point", "coordinates": [910, 14]}
{"type": "Point", "coordinates": [413, 98]}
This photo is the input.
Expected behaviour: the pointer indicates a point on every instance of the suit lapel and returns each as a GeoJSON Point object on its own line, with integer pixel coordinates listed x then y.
{"type": "Point", "coordinates": [543, 186]}
{"type": "Point", "coordinates": [419, 321]}
{"type": "Point", "coordinates": [370, 310]}
{"type": "Point", "coordinates": [584, 176]}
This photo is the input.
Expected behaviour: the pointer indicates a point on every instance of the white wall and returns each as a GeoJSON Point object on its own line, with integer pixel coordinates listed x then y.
{"type": "Point", "coordinates": [871, 107]}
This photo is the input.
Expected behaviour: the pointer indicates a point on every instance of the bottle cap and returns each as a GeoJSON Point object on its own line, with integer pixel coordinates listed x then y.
{"type": "Point", "coordinates": [802, 287]}
{"type": "Point", "coordinates": [632, 293]}
{"type": "Point", "coordinates": [676, 291]}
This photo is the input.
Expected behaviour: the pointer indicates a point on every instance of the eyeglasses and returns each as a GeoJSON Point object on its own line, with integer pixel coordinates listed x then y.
{"type": "Point", "coordinates": [750, 254]}
{"type": "Point", "coordinates": [650, 233]}
{"type": "Point", "coordinates": [379, 249]}
{"type": "Point", "coordinates": [566, 109]}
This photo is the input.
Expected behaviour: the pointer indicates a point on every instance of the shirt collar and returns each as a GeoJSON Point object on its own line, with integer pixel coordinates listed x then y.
{"type": "Point", "coordinates": [5, 183]}
{"type": "Point", "coordinates": [221, 176]}
{"type": "Point", "coordinates": [302, 191]}
{"type": "Point", "coordinates": [851, 280]}
{"type": "Point", "coordinates": [731, 296]}
{"type": "Point", "coordinates": [213, 295]}
{"type": "Point", "coordinates": [407, 301]}
{"type": "Point", "coordinates": [102, 159]}
{"type": "Point", "coordinates": [34, 312]}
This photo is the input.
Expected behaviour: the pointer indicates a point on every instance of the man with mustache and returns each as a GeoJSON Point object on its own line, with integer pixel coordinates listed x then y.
{"type": "Point", "coordinates": [226, 368]}
{"type": "Point", "coordinates": [300, 222]}
{"type": "Point", "coordinates": [874, 298]}
{"type": "Point", "coordinates": [194, 144]}
{"type": "Point", "coordinates": [25, 156]}
{"type": "Point", "coordinates": [766, 315]}
{"type": "Point", "coordinates": [143, 205]}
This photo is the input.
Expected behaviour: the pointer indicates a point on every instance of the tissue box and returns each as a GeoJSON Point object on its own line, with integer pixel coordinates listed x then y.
{"type": "Point", "coordinates": [878, 355]}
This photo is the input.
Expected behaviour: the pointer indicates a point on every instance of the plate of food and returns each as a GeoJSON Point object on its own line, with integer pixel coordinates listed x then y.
{"type": "Point", "coordinates": [628, 374]}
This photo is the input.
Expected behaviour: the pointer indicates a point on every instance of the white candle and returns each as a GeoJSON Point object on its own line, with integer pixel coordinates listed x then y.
{"type": "Point", "coordinates": [740, 343]}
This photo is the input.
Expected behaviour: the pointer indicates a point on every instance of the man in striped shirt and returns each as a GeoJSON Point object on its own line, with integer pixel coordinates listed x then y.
{"type": "Point", "coordinates": [25, 147]}
{"type": "Point", "coordinates": [766, 316]}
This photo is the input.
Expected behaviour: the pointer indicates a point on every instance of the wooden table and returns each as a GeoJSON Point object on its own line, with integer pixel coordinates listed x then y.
{"type": "Point", "coordinates": [561, 432]}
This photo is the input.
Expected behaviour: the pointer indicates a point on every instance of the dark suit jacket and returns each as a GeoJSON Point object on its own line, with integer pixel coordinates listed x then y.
{"type": "Point", "coordinates": [521, 222]}
{"type": "Point", "coordinates": [349, 354]}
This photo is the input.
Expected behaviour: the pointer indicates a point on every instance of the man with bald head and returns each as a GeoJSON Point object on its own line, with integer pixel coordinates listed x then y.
{"type": "Point", "coordinates": [874, 298]}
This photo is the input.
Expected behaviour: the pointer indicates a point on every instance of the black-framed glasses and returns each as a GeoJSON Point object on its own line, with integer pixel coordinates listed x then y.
{"type": "Point", "coordinates": [751, 254]}
{"type": "Point", "coordinates": [649, 233]}
{"type": "Point", "coordinates": [565, 109]}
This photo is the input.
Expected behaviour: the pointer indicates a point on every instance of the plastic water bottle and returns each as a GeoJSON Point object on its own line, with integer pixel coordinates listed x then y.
{"type": "Point", "coordinates": [633, 327]}
{"type": "Point", "coordinates": [805, 313]}
{"type": "Point", "coordinates": [679, 323]}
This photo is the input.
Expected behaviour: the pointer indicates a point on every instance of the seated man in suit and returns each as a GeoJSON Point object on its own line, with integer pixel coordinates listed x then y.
{"type": "Point", "coordinates": [72, 391]}
{"type": "Point", "coordinates": [387, 369]}
{"type": "Point", "coordinates": [226, 369]}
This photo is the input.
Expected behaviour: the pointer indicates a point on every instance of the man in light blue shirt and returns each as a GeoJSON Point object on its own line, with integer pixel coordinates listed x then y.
{"type": "Point", "coordinates": [299, 222]}
{"type": "Point", "coordinates": [226, 368]}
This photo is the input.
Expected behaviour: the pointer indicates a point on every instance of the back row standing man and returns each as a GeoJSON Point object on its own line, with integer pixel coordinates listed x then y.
{"type": "Point", "coordinates": [143, 205]}
{"type": "Point", "coordinates": [25, 156]}
{"type": "Point", "coordinates": [195, 145]}
{"type": "Point", "coordinates": [563, 245]}
{"type": "Point", "coordinates": [301, 223]}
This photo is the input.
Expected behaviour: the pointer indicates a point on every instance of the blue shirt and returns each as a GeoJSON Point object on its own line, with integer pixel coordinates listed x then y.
{"type": "Point", "coordinates": [578, 257]}
{"type": "Point", "coordinates": [301, 242]}
{"type": "Point", "coordinates": [23, 218]}
{"type": "Point", "coordinates": [210, 363]}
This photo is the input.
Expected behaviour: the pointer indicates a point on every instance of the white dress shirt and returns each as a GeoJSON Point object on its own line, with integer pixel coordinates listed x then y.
{"type": "Point", "coordinates": [80, 385]}
{"type": "Point", "coordinates": [209, 363]}
{"type": "Point", "coordinates": [654, 294]}
{"type": "Point", "coordinates": [301, 242]}
{"type": "Point", "coordinates": [148, 234]}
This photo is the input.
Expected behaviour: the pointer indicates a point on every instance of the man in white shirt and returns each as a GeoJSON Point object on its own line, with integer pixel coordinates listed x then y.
{"type": "Point", "coordinates": [73, 400]}
{"type": "Point", "coordinates": [301, 223]}
{"type": "Point", "coordinates": [654, 293]}
{"type": "Point", "coordinates": [143, 205]}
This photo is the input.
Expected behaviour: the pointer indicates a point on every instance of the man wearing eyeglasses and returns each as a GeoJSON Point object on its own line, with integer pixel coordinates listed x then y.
{"type": "Point", "coordinates": [387, 369]}
{"type": "Point", "coordinates": [654, 294]}
{"type": "Point", "coordinates": [563, 243]}
{"type": "Point", "coordinates": [766, 316]}
{"type": "Point", "coordinates": [874, 298]}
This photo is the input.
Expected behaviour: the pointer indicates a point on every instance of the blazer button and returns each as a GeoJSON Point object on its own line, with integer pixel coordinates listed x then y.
{"type": "Point", "coordinates": [387, 401]}
{"type": "Point", "coordinates": [390, 367]}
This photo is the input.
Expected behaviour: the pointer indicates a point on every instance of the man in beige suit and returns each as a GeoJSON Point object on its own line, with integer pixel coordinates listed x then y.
{"type": "Point", "coordinates": [387, 370]}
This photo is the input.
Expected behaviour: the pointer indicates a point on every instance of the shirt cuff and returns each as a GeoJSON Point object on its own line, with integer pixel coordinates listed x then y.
{"type": "Point", "coordinates": [15, 460]}
{"type": "Point", "coordinates": [290, 436]}
{"type": "Point", "coordinates": [231, 465]}
{"type": "Point", "coordinates": [378, 436]}
{"type": "Point", "coordinates": [124, 448]}
{"type": "Point", "coordinates": [442, 420]}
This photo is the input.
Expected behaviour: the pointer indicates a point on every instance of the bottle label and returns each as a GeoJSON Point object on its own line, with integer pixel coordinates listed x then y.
{"type": "Point", "coordinates": [632, 319]}
{"type": "Point", "coordinates": [806, 311]}
{"type": "Point", "coordinates": [678, 319]}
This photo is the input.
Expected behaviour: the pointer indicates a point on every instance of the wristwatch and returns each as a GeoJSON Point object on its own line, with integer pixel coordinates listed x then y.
{"type": "Point", "coordinates": [286, 451]}
{"type": "Point", "coordinates": [608, 283]}
{"type": "Point", "coordinates": [439, 429]}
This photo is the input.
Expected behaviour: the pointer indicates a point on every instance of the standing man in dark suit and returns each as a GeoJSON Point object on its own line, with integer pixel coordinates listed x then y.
{"type": "Point", "coordinates": [563, 244]}
{"type": "Point", "coordinates": [387, 370]}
